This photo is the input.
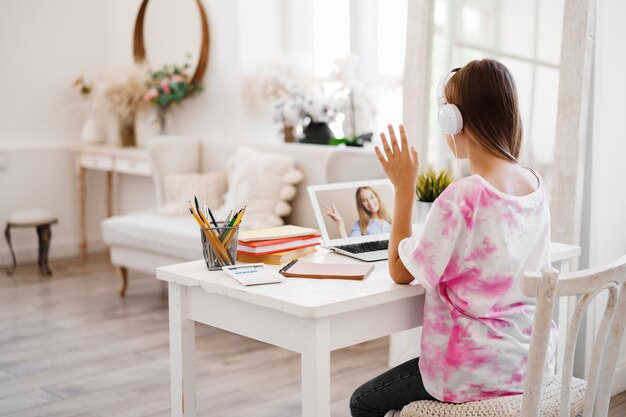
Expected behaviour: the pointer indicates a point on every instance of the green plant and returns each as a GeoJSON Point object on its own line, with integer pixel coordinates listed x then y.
{"type": "Point", "coordinates": [430, 184]}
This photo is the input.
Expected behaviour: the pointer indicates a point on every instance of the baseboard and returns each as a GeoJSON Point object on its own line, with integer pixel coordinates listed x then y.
{"type": "Point", "coordinates": [29, 254]}
{"type": "Point", "coordinates": [619, 380]}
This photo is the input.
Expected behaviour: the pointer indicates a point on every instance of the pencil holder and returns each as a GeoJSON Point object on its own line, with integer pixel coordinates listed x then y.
{"type": "Point", "coordinates": [219, 246]}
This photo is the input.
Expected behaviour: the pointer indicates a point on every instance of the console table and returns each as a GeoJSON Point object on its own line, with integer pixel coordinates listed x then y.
{"type": "Point", "coordinates": [309, 316]}
{"type": "Point", "coordinates": [112, 160]}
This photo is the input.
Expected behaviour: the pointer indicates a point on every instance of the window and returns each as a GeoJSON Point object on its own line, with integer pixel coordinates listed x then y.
{"type": "Point", "coordinates": [331, 34]}
{"type": "Point", "coordinates": [526, 37]}
{"type": "Point", "coordinates": [374, 32]}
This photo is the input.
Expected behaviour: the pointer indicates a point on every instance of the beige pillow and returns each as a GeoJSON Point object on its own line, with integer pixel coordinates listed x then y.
{"type": "Point", "coordinates": [265, 183]}
{"type": "Point", "coordinates": [178, 189]}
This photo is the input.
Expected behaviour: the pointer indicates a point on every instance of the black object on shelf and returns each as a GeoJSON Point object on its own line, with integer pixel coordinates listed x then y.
{"type": "Point", "coordinates": [318, 133]}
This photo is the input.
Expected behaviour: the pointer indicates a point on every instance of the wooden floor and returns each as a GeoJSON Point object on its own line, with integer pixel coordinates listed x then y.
{"type": "Point", "coordinates": [69, 346]}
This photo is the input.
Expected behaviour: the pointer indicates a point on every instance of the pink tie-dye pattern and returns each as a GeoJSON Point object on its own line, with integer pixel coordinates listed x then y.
{"type": "Point", "coordinates": [463, 351]}
{"type": "Point", "coordinates": [467, 210]}
{"type": "Point", "coordinates": [483, 252]}
{"type": "Point", "coordinates": [477, 309]}
{"type": "Point", "coordinates": [448, 219]}
{"type": "Point", "coordinates": [423, 255]}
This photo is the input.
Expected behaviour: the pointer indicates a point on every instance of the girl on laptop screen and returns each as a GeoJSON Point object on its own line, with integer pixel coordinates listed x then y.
{"type": "Point", "coordinates": [481, 232]}
{"type": "Point", "coordinates": [373, 216]}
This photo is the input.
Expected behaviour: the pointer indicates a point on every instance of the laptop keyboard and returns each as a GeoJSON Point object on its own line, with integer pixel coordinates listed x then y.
{"type": "Point", "coordinates": [365, 246]}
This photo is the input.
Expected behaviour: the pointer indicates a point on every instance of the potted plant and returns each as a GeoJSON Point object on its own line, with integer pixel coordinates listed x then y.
{"type": "Point", "coordinates": [313, 112]}
{"type": "Point", "coordinates": [430, 185]}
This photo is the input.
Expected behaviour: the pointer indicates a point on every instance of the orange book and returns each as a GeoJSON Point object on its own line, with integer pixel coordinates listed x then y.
{"type": "Point", "coordinates": [277, 245]}
{"type": "Point", "coordinates": [275, 258]}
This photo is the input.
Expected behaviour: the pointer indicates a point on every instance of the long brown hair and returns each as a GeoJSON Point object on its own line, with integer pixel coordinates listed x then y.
{"type": "Point", "coordinates": [364, 218]}
{"type": "Point", "coordinates": [485, 93]}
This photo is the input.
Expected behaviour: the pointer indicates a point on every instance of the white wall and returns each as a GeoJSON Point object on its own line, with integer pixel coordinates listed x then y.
{"type": "Point", "coordinates": [262, 44]}
{"type": "Point", "coordinates": [608, 194]}
{"type": "Point", "coordinates": [216, 113]}
{"type": "Point", "coordinates": [44, 46]}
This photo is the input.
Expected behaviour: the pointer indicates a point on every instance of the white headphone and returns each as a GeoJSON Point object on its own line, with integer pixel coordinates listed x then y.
{"type": "Point", "coordinates": [450, 118]}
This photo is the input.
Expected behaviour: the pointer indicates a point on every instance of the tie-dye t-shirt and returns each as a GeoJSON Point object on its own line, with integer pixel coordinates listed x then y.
{"type": "Point", "coordinates": [469, 256]}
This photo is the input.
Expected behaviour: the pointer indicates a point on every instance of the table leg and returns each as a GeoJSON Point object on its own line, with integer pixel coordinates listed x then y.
{"type": "Point", "coordinates": [182, 354]}
{"type": "Point", "coordinates": [315, 363]}
{"type": "Point", "coordinates": [109, 193]}
{"type": "Point", "coordinates": [404, 346]}
{"type": "Point", "coordinates": [82, 208]}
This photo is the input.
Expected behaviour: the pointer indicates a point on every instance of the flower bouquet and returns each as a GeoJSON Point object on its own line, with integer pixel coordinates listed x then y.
{"type": "Point", "coordinates": [313, 112]}
{"type": "Point", "coordinates": [168, 86]}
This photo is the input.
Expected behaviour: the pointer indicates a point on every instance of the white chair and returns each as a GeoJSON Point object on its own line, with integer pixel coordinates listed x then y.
{"type": "Point", "coordinates": [587, 398]}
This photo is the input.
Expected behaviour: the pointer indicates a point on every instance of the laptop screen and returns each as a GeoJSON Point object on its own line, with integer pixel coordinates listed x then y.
{"type": "Point", "coordinates": [353, 212]}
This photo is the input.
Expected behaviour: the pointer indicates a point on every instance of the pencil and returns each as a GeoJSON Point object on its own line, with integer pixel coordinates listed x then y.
{"type": "Point", "coordinates": [204, 219]}
{"type": "Point", "coordinates": [236, 223]}
{"type": "Point", "coordinates": [219, 250]}
{"type": "Point", "coordinates": [226, 224]}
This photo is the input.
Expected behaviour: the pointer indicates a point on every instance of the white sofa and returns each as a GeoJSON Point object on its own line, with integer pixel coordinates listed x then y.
{"type": "Point", "coordinates": [145, 240]}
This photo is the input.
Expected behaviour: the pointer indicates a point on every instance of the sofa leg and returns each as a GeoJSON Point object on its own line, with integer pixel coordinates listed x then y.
{"type": "Point", "coordinates": [123, 274]}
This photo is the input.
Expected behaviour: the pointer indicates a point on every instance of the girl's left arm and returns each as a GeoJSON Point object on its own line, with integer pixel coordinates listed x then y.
{"type": "Point", "coordinates": [400, 165]}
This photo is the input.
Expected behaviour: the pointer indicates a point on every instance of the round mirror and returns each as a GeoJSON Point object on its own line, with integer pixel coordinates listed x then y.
{"type": "Point", "coordinates": [173, 34]}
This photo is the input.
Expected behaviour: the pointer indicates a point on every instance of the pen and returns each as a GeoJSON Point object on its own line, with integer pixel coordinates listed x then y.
{"type": "Point", "coordinates": [235, 223]}
{"type": "Point", "coordinates": [211, 215]}
{"type": "Point", "coordinates": [286, 267]}
{"type": "Point", "coordinates": [225, 225]}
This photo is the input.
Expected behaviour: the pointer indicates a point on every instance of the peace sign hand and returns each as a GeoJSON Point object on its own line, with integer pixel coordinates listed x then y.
{"type": "Point", "coordinates": [333, 213]}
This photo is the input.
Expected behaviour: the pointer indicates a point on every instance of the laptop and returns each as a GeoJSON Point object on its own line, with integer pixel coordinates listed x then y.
{"type": "Point", "coordinates": [354, 218]}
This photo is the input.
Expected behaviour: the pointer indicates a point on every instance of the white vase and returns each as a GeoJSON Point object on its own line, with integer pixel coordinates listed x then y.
{"type": "Point", "coordinates": [422, 209]}
{"type": "Point", "coordinates": [94, 131]}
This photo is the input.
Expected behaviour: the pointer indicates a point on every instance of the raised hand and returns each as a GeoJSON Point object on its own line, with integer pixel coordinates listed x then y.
{"type": "Point", "coordinates": [398, 161]}
{"type": "Point", "coordinates": [333, 213]}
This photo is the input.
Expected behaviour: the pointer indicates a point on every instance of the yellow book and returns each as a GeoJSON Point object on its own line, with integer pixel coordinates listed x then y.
{"type": "Point", "coordinates": [275, 258]}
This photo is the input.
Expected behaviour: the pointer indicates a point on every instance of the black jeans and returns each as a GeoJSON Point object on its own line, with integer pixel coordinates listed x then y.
{"type": "Point", "coordinates": [392, 390]}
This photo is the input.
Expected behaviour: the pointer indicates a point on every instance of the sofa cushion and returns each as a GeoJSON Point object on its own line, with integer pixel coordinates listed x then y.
{"type": "Point", "coordinates": [265, 183]}
{"type": "Point", "coordinates": [175, 236]}
{"type": "Point", "coordinates": [178, 189]}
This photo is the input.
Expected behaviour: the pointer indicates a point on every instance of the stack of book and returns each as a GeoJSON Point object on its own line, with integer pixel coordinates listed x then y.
{"type": "Point", "coordinates": [276, 245]}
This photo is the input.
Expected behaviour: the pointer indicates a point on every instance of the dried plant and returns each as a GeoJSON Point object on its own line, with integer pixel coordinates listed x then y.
{"type": "Point", "coordinates": [121, 92]}
{"type": "Point", "coordinates": [430, 184]}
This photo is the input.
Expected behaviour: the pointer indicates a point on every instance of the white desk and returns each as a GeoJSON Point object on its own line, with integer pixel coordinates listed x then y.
{"type": "Point", "coordinates": [112, 159]}
{"type": "Point", "coordinates": [312, 317]}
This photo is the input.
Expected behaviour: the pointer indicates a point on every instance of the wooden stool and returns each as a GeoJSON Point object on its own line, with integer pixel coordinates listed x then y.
{"type": "Point", "coordinates": [40, 219]}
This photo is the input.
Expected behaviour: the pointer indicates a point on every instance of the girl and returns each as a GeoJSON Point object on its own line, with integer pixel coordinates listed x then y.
{"type": "Point", "coordinates": [373, 216]}
{"type": "Point", "coordinates": [481, 233]}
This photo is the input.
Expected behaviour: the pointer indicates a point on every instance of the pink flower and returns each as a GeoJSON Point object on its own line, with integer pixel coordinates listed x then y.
{"type": "Point", "coordinates": [152, 93]}
{"type": "Point", "coordinates": [165, 85]}
{"type": "Point", "coordinates": [177, 78]}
